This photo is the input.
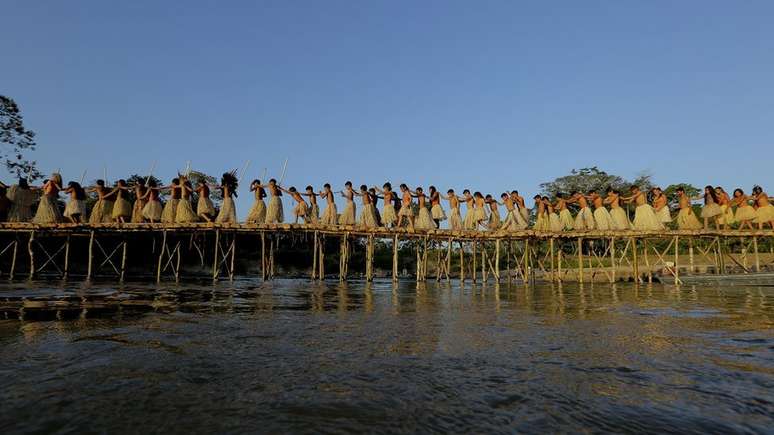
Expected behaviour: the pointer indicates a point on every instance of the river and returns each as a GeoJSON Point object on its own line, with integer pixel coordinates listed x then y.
{"type": "Point", "coordinates": [295, 356]}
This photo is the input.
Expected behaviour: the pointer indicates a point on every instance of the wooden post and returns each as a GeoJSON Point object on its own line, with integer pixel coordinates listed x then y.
{"type": "Point", "coordinates": [67, 257]}
{"type": "Point", "coordinates": [475, 246]}
{"type": "Point", "coordinates": [314, 256]}
{"type": "Point", "coordinates": [215, 259]}
{"type": "Point", "coordinates": [647, 261]}
{"type": "Point", "coordinates": [123, 261]}
{"type": "Point", "coordinates": [635, 260]}
{"type": "Point", "coordinates": [321, 260]}
{"type": "Point", "coordinates": [424, 260]}
{"type": "Point", "coordinates": [612, 258]}
{"type": "Point", "coordinates": [395, 258]}
{"type": "Point", "coordinates": [32, 253]}
{"type": "Point", "coordinates": [177, 262]}
{"type": "Point", "coordinates": [527, 261]}
{"type": "Point", "coordinates": [233, 256]}
{"type": "Point", "coordinates": [755, 252]}
{"type": "Point", "coordinates": [497, 260]}
{"type": "Point", "coordinates": [263, 255]}
{"type": "Point", "coordinates": [419, 264]}
{"type": "Point", "coordinates": [559, 255]}
{"type": "Point", "coordinates": [551, 253]}
{"type": "Point", "coordinates": [448, 259]}
{"type": "Point", "coordinates": [676, 272]}
{"type": "Point", "coordinates": [580, 260]}
{"type": "Point", "coordinates": [342, 257]}
{"type": "Point", "coordinates": [462, 264]}
{"type": "Point", "coordinates": [690, 255]}
{"type": "Point", "coordinates": [508, 250]}
{"type": "Point", "coordinates": [272, 244]}
{"type": "Point", "coordinates": [91, 256]}
{"type": "Point", "coordinates": [370, 258]}
{"type": "Point", "coordinates": [483, 262]}
{"type": "Point", "coordinates": [13, 260]}
{"type": "Point", "coordinates": [744, 253]}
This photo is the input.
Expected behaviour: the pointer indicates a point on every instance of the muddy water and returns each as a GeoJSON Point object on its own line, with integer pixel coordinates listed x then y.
{"type": "Point", "coordinates": [294, 356]}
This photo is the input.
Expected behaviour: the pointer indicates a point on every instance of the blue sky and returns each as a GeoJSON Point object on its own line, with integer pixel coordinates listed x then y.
{"type": "Point", "coordinates": [490, 95]}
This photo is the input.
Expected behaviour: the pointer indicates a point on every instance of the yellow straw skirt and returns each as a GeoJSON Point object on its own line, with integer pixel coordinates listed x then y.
{"type": "Point", "coordinates": [480, 215]}
{"type": "Point", "coordinates": [566, 218]}
{"type": "Point", "coordinates": [330, 216]}
{"type": "Point", "coordinates": [185, 212]}
{"type": "Point", "coordinates": [227, 213]}
{"type": "Point", "coordinates": [603, 220]}
{"type": "Point", "coordinates": [663, 215]}
{"type": "Point", "coordinates": [21, 204]}
{"type": "Point", "coordinates": [554, 223]}
{"type": "Point", "coordinates": [494, 221]}
{"type": "Point", "coordinates": [744, 213]}
{"type": "Point", "coordinates": [170, 211]}
{"type": "Point", "coordinates": [584, 220]}
{"type": "Point", "coordinates": [687, 220]}
{"type": "Point", "coordinates": [455, 219]}
{"type": "Point", "coordinates": [137, 211]}
{"type": "Point", "coordinates": [541, 223]}
{"type": "Point", "coordinates": [620, 219]}
{"type": "Point", "coordinates": [348, 215]}
{"type": "Point", "coordinates": [368, 217]}
{"type": "Point", "coordinates": [645, 219]}
{"type": "Point", "coordinates": [470, 219]}
{"type": "Point", "coordinates": [313, 216]}
{"type": "Point", "coordinates": [437, 212]}
{"type": "Point", "coordinates": [204, 206]}
{"type": "Point", "coordinates": [727, 215]}
{"type": "Point", "coordinates": [388, 215]}
{"type": "Point", "coordinates": [406, 210]}
{"type": "Point", "coordinates": [711, 210]}
{"type": "Point", "coordinates": [121, 208]}
{"type": "Point", "coordinates": [152, 210]}
{"type": "Point", "coordinates": [424, 220]}
{"type": "Point", "coordinates": [76, 207]}
{"type": "Point", "coordinates": [764, 214]}
{"type": "Point", "coordinates": [48, 212]}
{"type": "Point", "coordinates": [275, 214]}
{"type": "Point", "coordinates": [524, 214]}
{"type": "Point", "coordinates": [257, 213]}
{"type": "Point", "coordinates": [301, 210]}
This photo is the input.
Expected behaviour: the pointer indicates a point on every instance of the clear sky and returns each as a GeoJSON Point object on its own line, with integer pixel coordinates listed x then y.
{"type": "Point", "coordinates": [489, 95]}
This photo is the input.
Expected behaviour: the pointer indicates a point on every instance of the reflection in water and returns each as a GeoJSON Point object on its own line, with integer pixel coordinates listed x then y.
{"type": "Point", "coordinates": [306, 356]}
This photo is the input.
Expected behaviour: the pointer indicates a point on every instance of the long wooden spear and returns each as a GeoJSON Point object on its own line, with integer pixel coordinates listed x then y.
{"type": "Point", "coordinates": [284, 166]}
{"type": "Point", "coordinates": [83, 176]}
{"type": "Point", "coordinates": [150, 173]}
{"type": "Point", "coordinates": [244, 169]}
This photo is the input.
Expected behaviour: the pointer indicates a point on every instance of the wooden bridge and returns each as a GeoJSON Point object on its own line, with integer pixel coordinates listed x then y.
{"type": "Point", "coordinates": [102, 250]}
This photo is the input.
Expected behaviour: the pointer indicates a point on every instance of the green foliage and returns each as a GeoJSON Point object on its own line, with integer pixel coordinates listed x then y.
{"type": "Point", "coordinates": [16, 140]}
{"type": "Point", "coordinates": [585, 179]}
{"type": "Point", "coordinates": [215, 194]}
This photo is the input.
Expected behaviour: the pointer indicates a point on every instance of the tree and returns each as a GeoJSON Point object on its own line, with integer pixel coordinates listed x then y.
{"type": "Point", "coordinates": [690, 190]}
{"type": "Point", "coordinates": [215, 195]}
{"type": "Point", "coordinates": [585, 179]}
{"type": "Point", "coordinates": [16, 140]}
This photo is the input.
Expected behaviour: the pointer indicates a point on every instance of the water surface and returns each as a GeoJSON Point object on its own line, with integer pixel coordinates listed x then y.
{"type": "Point", "coordinates": [295, 356]}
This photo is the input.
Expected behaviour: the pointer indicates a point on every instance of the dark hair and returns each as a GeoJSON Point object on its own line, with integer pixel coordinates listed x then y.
{"type": "Point", "coordinates": [592, 191]}
{"type": "Point", "coordinates": [536, 197]}
{"type": "Point", "coordinates": [559, 195]}
{"type": "Point", "coordinates": [122, 182]}
{"type": "Point", "coordinates": [741, 192]}
{"type": "Point", "coordinates": [292, 189]}
{"type": "Point", "coordinates": [465, 191]}
{"type": "Point", "coordinates": [175, 181]}
{"type": "Point", "coordinates": [712, 194]}
{"type": "Point", "coordinates": [403, 186]}
{"type": "Point", "coordinates": [573, 193]}
{"type": "Point", "coordinates": [418, 189]}
{"type": "Point", "coordinates": [327, 185]}
{"type": "Point", "coordinates": [348, 183]}
{"type": "Point", "coordinates": [679, 189]}
{"type": "Point", "coordinates": [80, 194]}
{"type": "Point", "coordinates": [478, 195]}
{"type": "Point", "coordinates": [504, 195]}
{"type": "Point", "coordinates": [488, 196]}
{"type": "Point", "coordinates": [273, 181]}
{"type": "Point", "coordinates": [256, 181]}
{"type": "Point", "coordinates": [545, 198]}
{"type": "Point", "coordinates": [228, 180]}
{"type": "Point", "coordinates": [152, 183]}
{"type": "Point", "coordinates": [23, 183]}
{"type": "Point", "coordinates": [387, 186]}
{"type": "Point", "coordinates": [515, 192]}
{"type": "Point", "coordinates": [634, 186]}
{"type": "Point", "coordinates": [101, 183]}
{"type": "Point", "coordinates": [140, 182]}
{"type": "Point", "coordinates": [450, 191]}
{"type": "Point", "coordinates": [309, 188]}
{"type": "Point", "coordinates": [364, 187]}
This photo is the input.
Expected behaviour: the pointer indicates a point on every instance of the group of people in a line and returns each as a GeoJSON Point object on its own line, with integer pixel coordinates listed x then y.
{"type": "Point", "coordinates": [142, 203]}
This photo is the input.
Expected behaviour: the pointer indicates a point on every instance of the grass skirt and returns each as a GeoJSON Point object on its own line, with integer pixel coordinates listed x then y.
{"type": "Point", "coordinates": [227, 213]}
{"type": "Point", "coordinates": [76, 207]}
{"type": "Point", "coordinates": [566, 218]}
{"type": "Point", "coordinates": [152, 210]}
{"type": "Point", "coordinates": [584, 220]}
{"type": "Point", "coordinates": [663, 215]}
{"type": "Point", "coordinates": [121, 208]}
{"type": "Point", "coordinates": [98, 212]}
{"type": "Point", "coordinates": [727, 215]}
{"type": "Point", "coordinates": [368, 216]}
{"type": "Point", "coordinates": [406, 210]}
{"type": "Point", "coordinates": [21, 204]}
{"type": "Point", "coordinates": [554, 223]}
{"type": "Point", "coordinates": [314, 214]}
{"type": "Point", "coordinates": [48, 212]}
{"type": "Point", "coordinates": [137, 217]}
{"type": "Point", "coordinates": [764, 214]}
{"type": "Point", "coordinates": [470, 219]}
{"type": "Point", "coordinates": [524, 214]}
{"type": "Point", "coordinates": [300, 210]}
{"type": "Point", "coordinates": [185, 212]}
{"type": "Point", "coordinates": [455, 219]}
{"type": "Point", "coordinates": [257, 213]}
{"type": "Point", "coordinates": [480, 215]}
{"type": "Point", "coordinates": [494, 221]}
{"type": "Point", "coordinates": [711, 210]}
{"type": "Point", "coordinates": [620, 219]}
{"type": "Point", "coordinates": [424, 220]}
{"type": "Point", "coordinates": [330, 217]}
{"type": "Point", "coordinates": [388, 215]}
{"type": "Point", "coordinates": [275, 214]}
{"type": "Point", "coordinates": [513, 221]}
{"type": "Point", "coordinates": [170, 211]}
{"type": "Point", "coordinates": [645, 219]}
{"type": "Point", "coordinates": [745, 213]}
{"type": "Point", "coordinates": [541, 223]}
{"type": "Point", "coordinates": [602, 219]}
{"type": "Point", "coordinates": [686, 220]}
{"type": "Point", "coordinates": [438, 213]}
{"type": "Point", "coordinates": [204, 206]}
{"type": "Point", "coordinates": [348, 216]}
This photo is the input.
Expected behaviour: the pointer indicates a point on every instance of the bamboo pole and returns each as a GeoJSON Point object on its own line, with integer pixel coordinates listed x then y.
{"type": "Point", "coordinates": [272, 243]}
{"type": "Point", "coordinates": [370, 259]}
{"type": "Point", "coordinates": [424, 260]}
{"type": "Point", "coordinates": [395, 258]}
{"type": "Point", "coordinates": [13, 260]}
{"type": "Point", "coordinates": [448, 259]}
{"type": "Point", "coordinates": [483, 262]}
{"type": "Point", "coordinates": [756, 256]}
{"type": "Point", "coordinates": [508, 249]}
{"type": "Point", "coordinates": [559, 255]}
{"type": "Point", "coordinates": [263, 256]}
{"type": "Point", "coordinates": [497, 260]}
{"type": "Point", "coordinates": [177, 262]}
{"type": "Point", "coordinates": [647, 260]}
{"type": "Point", "coordinates": [551, 252]}
{"type": "Point", "coordinates": [314, 256]}
{"type": "Point", "coordinates": [635, 260]}
{"type": "Point", "coordinates": [321, 260]}
{"type": "Point", "coordinates": [676, 270]}
{"type": "Point", "coordinates": [462, 264]}
{"type": "Point", "coordinates": [32, 253]}
{"type": "Point", "coordinates": [91, 255]}
{"type": "Point", "coordinates": [475, 246]}
{"type": "Point", "coordinates": [342, 258]}
{"type": "Point", "coordinates": [215, 259]}
{"type": "Point", "coordinates": [123, 260]}
{"type": "Point", "coordinates": [612, 257]}
{"type": "Point", "coordinates": [690, 255]}
{"type": "Point", "coordinates": [67, 258]}
{"type": "Point", "coordinates": [233, 257]}
{"type": "Point", "coordinates": [580, 260]}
